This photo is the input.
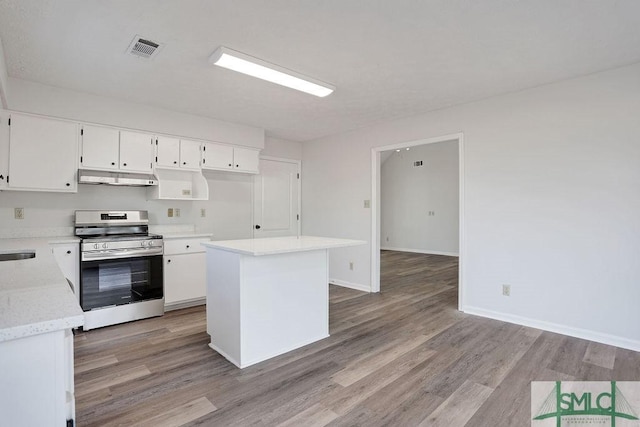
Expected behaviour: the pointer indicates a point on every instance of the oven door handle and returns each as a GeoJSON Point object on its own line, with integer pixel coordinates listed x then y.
{"type": "Point", "coordinates": [119, 253]}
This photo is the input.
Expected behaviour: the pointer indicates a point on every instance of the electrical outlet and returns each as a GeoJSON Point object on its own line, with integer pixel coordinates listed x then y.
{"type": "Point", "coordinates": [203, 212]}
{"type": "Point", "coordinates": [387, 238]}
{"type": "Point", "coordinates": [506, 290]}
{"type": "Point", "coordinates": [367, 204]}
{"type": "Point", "coordinates": [18, 213]}
{"type": "Point", "coordinates": [351, 265]}
{"type": "Point", "coordinates": [170, 212]}
{"type": "Point", "coordinates": [176, 211]}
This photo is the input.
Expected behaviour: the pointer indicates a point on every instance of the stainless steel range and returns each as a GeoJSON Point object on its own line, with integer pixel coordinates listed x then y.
{"type": "Point", "coordinates": [120, 267]}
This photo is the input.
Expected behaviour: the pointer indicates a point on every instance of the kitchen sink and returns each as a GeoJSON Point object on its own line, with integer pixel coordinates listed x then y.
{"type": "Point", "coordinates": [14, 256]}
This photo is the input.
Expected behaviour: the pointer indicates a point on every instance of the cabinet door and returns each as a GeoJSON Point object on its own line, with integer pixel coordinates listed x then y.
{"type": "Point", "coordinates": [184, 277]}
{"type": "Point", "coordinates": [136, 151]}
{"type": "Point", "coordinates": [189, 154]}
{"type": "Point", "coordinates": [100, 148]}
{"type": "Point", "coordinates": [167, 151]}
{"type": "Point", "coordinates": [43, 154]}
{"type": "Point", "coordinates": [66, 256]}
{"type": "Point", "coordinates": [216, 156]}
{"type": "Point", "coordinates": [246, 160]}
{"type": "Point", "coordinates": [4, 148]}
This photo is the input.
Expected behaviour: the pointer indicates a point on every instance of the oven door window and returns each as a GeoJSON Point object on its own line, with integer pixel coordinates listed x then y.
{"type": "Point", "coordinates": [106, 283]}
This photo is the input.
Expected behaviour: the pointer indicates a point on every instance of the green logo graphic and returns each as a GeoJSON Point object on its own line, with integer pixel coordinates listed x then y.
{"type": "Point", "coordinates": [610, 404]}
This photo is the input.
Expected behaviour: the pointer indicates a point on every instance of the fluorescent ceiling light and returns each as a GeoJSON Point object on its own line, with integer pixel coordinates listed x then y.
{"type": "Point", "coordinates": [237, 61]}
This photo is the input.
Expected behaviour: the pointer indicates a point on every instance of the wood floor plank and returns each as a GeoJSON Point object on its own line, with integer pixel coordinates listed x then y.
{"type": "Point", "coordinates": [371, 363]}
{"type": "Point", "coordinates": [180, 415]}
{"type": "Point", "coordinates": [459, 407]}
{"type": "Point", "coordinates": [397, 358]}
{"type": "Point", "coordinates": [315, 416]}
{"type": "Point", "coordinates": [88, 364]}
{"type": "Point", "coordinates": [115, 378]}
{"type": "Point", "coordinates": [600, 355]}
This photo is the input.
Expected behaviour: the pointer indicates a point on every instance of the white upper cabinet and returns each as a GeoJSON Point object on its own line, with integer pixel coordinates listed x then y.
{"type": "Point", "coordinates": [246, 159]}
{"type": "Point", "coordinates": [226, 157]}
{"type": "Point", "coordinates": [177, 153]}
{"type": "Point", "coordinates": [136, 151]}
{"type": "Point", "coordinates": [110, 149]}
{"type": "Point", "coordinates": [189, 154]}
{"type": "Point", "coordinates": [43, 154]}
{"type": "Point", "coordinates": [167, 152]}
{"type": "Point", "coordinates": [216, 156]}
{"type": "Point", "coordinates": [100, 148]}
{"type": "Point", "coordinates": [4, 148]}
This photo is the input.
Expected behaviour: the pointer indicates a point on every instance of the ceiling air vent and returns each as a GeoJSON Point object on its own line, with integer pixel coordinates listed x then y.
{"type": "Point", "coordinates": [144, 48]}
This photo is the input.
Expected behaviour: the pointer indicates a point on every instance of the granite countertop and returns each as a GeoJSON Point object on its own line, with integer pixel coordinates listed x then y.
{"type": "Point", "coordinates": [35, 297]}
{"type": "Point", "coordinates": [281, 245]}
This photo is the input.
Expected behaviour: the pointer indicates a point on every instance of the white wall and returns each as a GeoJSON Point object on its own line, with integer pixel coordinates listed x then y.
{"type": "Point", "coordinates": [409, 193]}
{"type": "Point", "coordinates": [3, 78]}
{"type": "Point", "coordinates": [283, 148]}
{"type": "Point", "coordinates": [552, 203]}
{"type": "Point", "coordinates": [228, 210]}
{"type": "Point", "coordinates": [37, 98]}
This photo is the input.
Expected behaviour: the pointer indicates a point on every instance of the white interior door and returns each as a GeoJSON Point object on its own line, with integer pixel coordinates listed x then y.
{"type": "Point", "coordinates": [276, 199]}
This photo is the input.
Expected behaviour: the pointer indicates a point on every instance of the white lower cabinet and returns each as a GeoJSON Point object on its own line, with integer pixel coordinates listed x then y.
{"type": "Point", "coordinates": [67, 257]}
{"type": "Point", "coordinates": [37, 386]}
{"type": "Point", "coordinates": [184, 272]}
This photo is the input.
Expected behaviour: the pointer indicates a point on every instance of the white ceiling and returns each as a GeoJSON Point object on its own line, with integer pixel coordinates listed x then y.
{"type": "Point", "coordinates": [387, 58]}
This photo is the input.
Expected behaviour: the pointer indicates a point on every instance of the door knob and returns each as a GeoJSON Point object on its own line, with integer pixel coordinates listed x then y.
{"type": "Point", "coordinates": [257, 227]}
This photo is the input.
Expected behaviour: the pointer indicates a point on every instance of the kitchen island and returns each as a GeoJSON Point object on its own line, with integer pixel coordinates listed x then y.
{"type": "Point", "coordinates": [38, 310]}
{"type": "Point", "coordinates": [266, 297]}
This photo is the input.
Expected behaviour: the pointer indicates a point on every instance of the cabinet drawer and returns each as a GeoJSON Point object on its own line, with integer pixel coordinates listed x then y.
{"type": "Point", "coordinates": [184, 246]}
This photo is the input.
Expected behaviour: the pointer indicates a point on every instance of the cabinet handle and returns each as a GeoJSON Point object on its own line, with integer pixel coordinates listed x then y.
{"type": "Point", "coordinates": [124, 164]}
{"type": "Point", "coordinates": [68, 185]}
{"type": "Point", "coordinates": [1, 176]}
{"type": "Point", "coordinates": [184, 163]}
{"type": "Point", "coordinates": [237, 166]}
{"type": "Point", "coordinates": [68, 252]}
{"type": "Point", "coordinates": [113, 163]}
{"type": "Point", "coordinates": [230, 164]}
{"type": "Point", "coordinates": [188, 246]}
{"type": "Point", "coordinates": [175, 163]}
{"type": "Point", "coordinates": [168, 260]}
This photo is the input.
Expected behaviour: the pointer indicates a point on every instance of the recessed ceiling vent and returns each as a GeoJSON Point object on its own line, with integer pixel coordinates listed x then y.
{"type": "Point", "coordinates": [144, 48]}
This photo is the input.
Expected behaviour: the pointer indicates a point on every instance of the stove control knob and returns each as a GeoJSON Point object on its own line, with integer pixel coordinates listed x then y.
{"type": "Point", "coordinates": [105, 245]}
{"type": "Point", "coordinates": [96, 246]}
{"type": "Point", "coordinates": [142, 243]}
{"type": "Point", "coordinates": [150, 243]}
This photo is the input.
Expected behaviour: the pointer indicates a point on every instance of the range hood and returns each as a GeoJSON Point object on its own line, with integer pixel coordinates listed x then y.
{"type": "Point", "coordinates": [116, 178]}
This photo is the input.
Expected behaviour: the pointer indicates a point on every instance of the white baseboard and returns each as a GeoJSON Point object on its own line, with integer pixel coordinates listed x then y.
{"type": "Point", "coordinates": [557, 328]}
{"type": "Point", "coordinates": [269, 356]}
{"type": "Point", "coordinates": [345, 284]}
{"type": "Point", "coordinates": [419, 251]}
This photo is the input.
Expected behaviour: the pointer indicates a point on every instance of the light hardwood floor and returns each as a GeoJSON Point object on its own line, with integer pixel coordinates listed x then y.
{"type": "Point", "coordinates": [403, 357]}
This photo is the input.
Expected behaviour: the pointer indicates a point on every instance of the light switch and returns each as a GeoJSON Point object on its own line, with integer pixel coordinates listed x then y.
{"type": "Point", "coordinates": [367, 204]}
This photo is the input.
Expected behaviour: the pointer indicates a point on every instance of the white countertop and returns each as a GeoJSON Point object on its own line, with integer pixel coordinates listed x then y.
{"type": "Point", "coordinates": [34, 295]}
{"type": "Point", "coordinates": [281, 245]}
{"type": "Point", "coordinates": [185, 235]}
